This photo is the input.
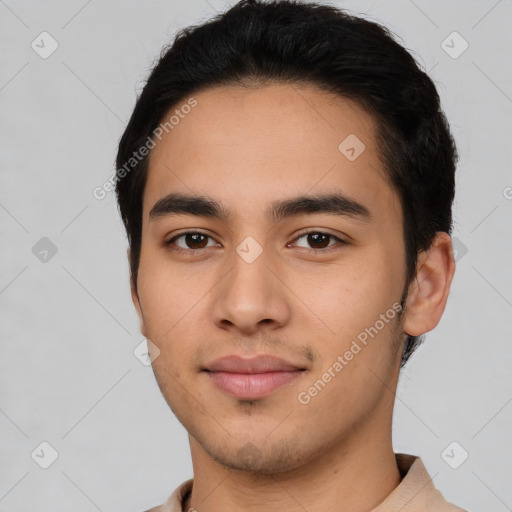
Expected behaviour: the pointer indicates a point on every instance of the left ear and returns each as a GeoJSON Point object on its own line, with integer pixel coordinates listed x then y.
{"type": "Point", "coordinates": [428, 291]}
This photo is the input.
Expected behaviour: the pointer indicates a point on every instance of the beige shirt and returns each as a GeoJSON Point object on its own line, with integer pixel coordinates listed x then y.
{"type": "Point", "coordinates": [415, 492]}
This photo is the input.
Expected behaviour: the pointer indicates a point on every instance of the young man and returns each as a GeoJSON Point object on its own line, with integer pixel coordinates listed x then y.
{"type": "Point", "coordinates": [286, 182]}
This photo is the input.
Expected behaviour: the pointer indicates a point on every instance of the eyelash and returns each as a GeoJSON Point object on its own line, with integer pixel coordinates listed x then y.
{"type": "Point", "coordinates": [190, 252]}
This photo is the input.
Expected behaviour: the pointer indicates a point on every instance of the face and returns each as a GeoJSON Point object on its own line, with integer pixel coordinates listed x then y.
{"type": "Point", "coordinates": [274, 301]}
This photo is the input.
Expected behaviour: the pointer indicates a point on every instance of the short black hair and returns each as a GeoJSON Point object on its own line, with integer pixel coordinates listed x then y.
{"type": "Point", "coordinates": [287, 41]}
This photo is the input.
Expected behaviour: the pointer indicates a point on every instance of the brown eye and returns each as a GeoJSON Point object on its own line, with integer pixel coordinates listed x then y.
{"type": "Point", "coordinates": [318, 240]}
{"type": "Point", "coordinates": [196, 240]}
{"type": "Point", "coordinates": [189, 241]}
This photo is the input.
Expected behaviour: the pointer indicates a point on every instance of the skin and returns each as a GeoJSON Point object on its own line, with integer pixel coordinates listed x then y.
{"type": "Point", "coordinates": [247, 147]}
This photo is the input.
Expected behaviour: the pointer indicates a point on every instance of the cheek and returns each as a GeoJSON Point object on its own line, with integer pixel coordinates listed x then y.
{"type": "Point", "coordinates": [166, 288]}
{"type": "Point", "coordinates": [354, 304]}
{"type": "Point", "coordinates": [164, 299]}
{"type": "Point", "coordinates": [173, 301]}
{"type": "Point", "coordinates": [351, 294]}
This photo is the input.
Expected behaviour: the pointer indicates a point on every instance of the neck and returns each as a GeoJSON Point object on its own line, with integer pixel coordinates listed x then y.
{"type": "Point", "coordinates": [354, 476]}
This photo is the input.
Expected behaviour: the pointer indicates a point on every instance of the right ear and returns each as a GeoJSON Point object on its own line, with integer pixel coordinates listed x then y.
{"type": "Point", "coordinates": [135, 298]}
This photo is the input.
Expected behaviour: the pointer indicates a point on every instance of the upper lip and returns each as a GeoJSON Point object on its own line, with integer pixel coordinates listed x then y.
{"type": "Point", "coordinates": [255, 364]}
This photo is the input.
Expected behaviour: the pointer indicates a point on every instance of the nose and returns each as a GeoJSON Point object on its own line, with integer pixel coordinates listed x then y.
{"type": "Point", "coordinates": [251, 296]}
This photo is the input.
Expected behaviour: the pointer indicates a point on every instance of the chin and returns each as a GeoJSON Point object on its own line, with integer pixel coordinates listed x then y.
{"type": "Point", "coordinates": [272, 458]}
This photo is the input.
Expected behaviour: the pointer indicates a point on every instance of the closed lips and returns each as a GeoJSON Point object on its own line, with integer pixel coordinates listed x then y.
{"type": "Point", "coordinates": [251, 379]}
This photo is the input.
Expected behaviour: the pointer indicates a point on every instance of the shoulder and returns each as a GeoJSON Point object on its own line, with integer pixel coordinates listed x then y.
{"type": "Point", "coordinates": [417, 491]}
{"type": "Point", "coordinates": [175, 500]}
{"type": "Point", "coordinates": [437, 503]}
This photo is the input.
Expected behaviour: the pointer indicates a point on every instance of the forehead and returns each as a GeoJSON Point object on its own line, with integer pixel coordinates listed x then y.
{"type": "Point", "coordinates": [251, 146]}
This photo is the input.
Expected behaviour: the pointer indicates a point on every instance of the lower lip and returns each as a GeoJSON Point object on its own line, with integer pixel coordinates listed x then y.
{"type": "Point", "coordinates": [250, 386]}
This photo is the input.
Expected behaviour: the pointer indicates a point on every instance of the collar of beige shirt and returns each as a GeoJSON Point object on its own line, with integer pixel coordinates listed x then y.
{"type": "Point", "coordinates": [416, 492]}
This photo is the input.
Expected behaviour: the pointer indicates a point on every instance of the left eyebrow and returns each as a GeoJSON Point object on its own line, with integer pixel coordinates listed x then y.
{"type": "Point", "coordinates": [335, 204]}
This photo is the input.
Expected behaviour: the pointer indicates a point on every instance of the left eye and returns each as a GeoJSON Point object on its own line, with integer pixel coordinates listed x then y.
{"type": "Point", "coordinates": [319, 240]}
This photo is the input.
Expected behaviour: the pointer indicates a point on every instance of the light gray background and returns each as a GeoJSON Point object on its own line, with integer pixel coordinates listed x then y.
{"type": "Point", "coordinates": [68, 374]}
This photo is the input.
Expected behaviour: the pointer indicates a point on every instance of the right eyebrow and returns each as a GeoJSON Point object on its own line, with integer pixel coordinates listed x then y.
{"type": "Point", "coordinates": [175, 204]}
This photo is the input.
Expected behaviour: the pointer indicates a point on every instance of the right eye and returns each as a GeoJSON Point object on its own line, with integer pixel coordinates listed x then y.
{"type": "Point", "coordinates": [190, 241]}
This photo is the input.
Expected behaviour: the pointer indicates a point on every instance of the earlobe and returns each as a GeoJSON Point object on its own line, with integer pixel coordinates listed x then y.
{"type": "Point", "coordinates": [135, 299]}
{"type": "Point", "coordinates": [428, 292]}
